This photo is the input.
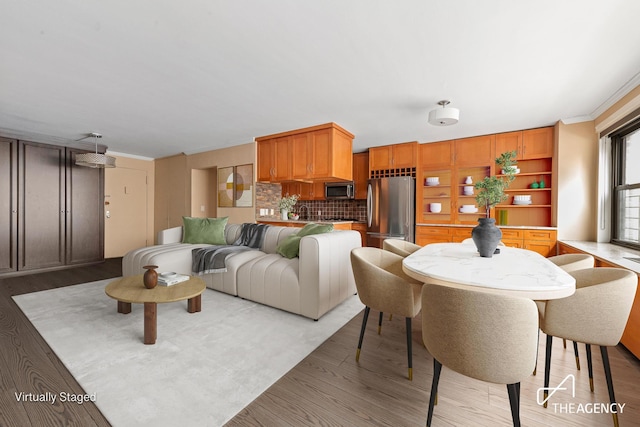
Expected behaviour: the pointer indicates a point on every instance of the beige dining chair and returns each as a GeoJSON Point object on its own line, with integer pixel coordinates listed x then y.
{"type": "Point", "coordinates": [596, 314]}
{"type": "Point", "coordinates": [486, 336]}
{"type": "Point", "coordinates": [400, 247]}
{"type": "Point", "coordinates": [383, 286]}
{"type": "Point", "coordinates": [569, 263]}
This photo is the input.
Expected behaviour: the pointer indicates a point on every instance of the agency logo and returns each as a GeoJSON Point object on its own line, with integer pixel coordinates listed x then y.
{"type": "Point", "coordinates": [568, 384]}
{"type": "Point", "coordinates": [547, 392]}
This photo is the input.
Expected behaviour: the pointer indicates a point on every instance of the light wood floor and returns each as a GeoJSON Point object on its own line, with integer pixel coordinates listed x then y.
{"type": "Point", "coordinates": [328, 388]}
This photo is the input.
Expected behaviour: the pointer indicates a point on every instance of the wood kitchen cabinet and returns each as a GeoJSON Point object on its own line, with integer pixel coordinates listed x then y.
{"type": "Point", "coordinates": [318, 153]}
{"type": "Point", "coordinates": [56, 208]}
{"type": "Point", "coordinates": [274, 159]}
{"type": "Point", "coordinates": [436, 155]}
{"type": "Point", "coordinates": [529, 144]}
{"type": "Point", "coordinates": [361, 228]}
{"type": "Point", "coordinates": [306, 190]}
{"type": "Point", "coordinates": [360, 174]}
{"type": "Point", "coordinates": [396, 156]}
{"type": "Point", "coordinates": [476, 151]}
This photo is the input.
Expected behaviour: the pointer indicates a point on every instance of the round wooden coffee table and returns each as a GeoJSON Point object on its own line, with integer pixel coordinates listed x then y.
{"type": "Point", "coordinates": [128, 290]}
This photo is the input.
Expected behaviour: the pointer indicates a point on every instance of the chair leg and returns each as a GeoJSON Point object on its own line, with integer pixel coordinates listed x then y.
{"type": "Point", "coordinates": [535, 368]}
{"type": "Point", "coordinates": [564, 343]}
{"type": "Point", "coordinates": [364, 326]}
{"type": "Point", "coordinates": [575, 351]}
{"type": "Point", "coordinates": [409, 349]}
{"type": "Point", "coordinates": [380, 323]}
{"type": "Point", "coordinates": [514, 401]}
{"type": "Point", "coordinates": [547, 368]}
{"type": "Point", "coordinates": [607, 374]}
{"type": "Point", "coordinates": [589, 366]}
{"type": "Point", "coordinates": [437, 368]}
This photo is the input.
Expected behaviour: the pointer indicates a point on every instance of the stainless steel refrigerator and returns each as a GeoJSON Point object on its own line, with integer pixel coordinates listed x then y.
{"type": "Point", "coordinates": [390, 209]}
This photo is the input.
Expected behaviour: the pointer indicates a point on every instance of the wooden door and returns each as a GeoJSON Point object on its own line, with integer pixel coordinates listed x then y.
{"type": "Point", "coordinates": [84, 209]}
{"type": "Point", "coordinates": [537, 143]}
{"type": "Point", "coordinates": [435, 155]}
{"type": "Point", "coordinates": [360, 174]}
{"type": "Point", "coordinates": [509, 141]}
{"type": "Point", "coordinates": [125, 227]}
{"type": "Point", "coordinates": [41, 206]}
{"type": "Point", "coordinates": [476, 151]}
{"type": "Point", "coordinates": [9, 197]}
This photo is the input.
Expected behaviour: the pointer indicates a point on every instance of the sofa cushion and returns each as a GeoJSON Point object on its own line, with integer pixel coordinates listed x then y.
{"type": "Point", "coordinates": [204, 230]}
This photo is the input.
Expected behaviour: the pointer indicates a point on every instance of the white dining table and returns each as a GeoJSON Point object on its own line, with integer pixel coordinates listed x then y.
{"type": "Point", "coordinates": [514, 271]}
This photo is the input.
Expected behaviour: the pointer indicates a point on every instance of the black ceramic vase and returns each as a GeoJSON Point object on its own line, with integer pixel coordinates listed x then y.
{"type": "Point", "coordinates": [486, 236]}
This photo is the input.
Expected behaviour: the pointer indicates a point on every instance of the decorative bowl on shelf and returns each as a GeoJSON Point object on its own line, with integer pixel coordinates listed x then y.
{"type": "Point", "coordinates": [432, 180]}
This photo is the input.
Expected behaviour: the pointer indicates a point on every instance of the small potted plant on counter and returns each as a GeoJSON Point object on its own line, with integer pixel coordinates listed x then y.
{"type": "Point", "coordinates": [286, 204]}
{"type": "Point", "coordinates": [490, 192]}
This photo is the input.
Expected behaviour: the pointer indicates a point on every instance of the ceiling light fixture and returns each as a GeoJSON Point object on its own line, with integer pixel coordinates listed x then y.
{"type": "Point", "coordinates": [95, 160]}
{"type": "Point", "coordinates": [444, 116]}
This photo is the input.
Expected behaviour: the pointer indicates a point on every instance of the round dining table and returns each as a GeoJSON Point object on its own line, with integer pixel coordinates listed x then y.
{"type": "Point", "coordinates": [514, 271]}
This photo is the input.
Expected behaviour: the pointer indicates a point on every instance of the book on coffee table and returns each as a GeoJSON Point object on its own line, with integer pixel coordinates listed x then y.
{"type": "Point", "coordinates": [172, 279]}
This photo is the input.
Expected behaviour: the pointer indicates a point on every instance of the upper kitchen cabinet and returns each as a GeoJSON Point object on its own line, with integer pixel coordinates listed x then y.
{"type": "Point", "coordinates": [436, 154]}
{"type": "Point", "coordinates": [476, 151]}
{"type": "Point", "coordinates": [529, 144]}
{"type": "Point", "coordinates": [360, 174]}
{"type": "Point", "coordinates": [393, 160]}
{"type": "Point", "coordinates": [318, 153]}
{"type": "Point", "coordinates": [274, 159]}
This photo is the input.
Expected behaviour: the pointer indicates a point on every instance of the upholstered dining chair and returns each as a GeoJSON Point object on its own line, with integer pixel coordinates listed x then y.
{"type": "Point", "coordinates": [486, 336]}
{"type": "Point", "coordinates": [596, 314]}
{"type": "Point", "coordinates": [400, 247]}
{"type": "Point", "coordinates": [569, 263]}
{"type": "Point", "coordinates": [383, 286]}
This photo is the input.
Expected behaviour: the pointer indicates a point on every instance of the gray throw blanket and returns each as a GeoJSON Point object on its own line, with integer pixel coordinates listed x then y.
{"type": "Point", "coordinates": [212, 259]}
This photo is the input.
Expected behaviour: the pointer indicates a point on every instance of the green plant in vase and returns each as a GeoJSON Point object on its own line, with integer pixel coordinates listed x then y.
{"type": "Point", "coordinates": [491, 190]}
{"type": "Point", "coordinates": [287, 203]}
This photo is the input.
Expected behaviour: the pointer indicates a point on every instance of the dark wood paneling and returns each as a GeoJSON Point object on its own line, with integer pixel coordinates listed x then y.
{"type": "Point", "coordinates": [41, 207]}
{"type": "Point", "coordinates": [9, 197]}
{"type": "Point", "coordinates": [84, 212]}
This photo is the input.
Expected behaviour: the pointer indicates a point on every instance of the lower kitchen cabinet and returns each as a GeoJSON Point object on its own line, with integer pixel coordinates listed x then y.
{"type": "Point", "coordinates": [542, 241]}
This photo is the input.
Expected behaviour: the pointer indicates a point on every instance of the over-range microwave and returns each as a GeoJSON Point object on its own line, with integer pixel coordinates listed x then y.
{"type": "Point", "coordinates": [339, 190]}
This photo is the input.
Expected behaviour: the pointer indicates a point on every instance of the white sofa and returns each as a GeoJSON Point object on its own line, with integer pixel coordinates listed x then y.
{"type": "Point", "coordinates": [309, 285]}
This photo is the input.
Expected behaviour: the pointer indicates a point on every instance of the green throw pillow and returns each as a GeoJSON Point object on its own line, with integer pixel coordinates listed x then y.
{"type": "Point", "coordinates": [313, 228]}
{"type": "Point", "coordinates": [204, 230]}
{"type": "Point", "coordinates": [290, 246]}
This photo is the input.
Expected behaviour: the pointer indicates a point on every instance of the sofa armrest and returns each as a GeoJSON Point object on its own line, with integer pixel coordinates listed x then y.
{"type": "Point", "coordinates": [170, 235]}
{"type": "Point", "coordinates": [326, 276]}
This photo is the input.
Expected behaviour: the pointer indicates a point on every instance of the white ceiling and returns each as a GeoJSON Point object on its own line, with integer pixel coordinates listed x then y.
{"type": "Point", "coordinates": [160, 77]}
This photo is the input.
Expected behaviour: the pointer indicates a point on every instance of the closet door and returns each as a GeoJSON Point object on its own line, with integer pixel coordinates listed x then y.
{"type": "Point", "coordinates": [84, 212]}
{"type": "Point", "coordinates": [9, 212]}
{"type": "Point", "coordinates": [41, 209]}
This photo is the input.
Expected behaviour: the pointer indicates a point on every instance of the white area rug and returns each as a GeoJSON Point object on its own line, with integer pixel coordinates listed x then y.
{"type": "Point", "coordinates": [204, 368]}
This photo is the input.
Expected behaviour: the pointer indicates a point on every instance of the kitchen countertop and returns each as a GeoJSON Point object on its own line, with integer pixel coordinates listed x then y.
{"type": "Point", "coordinates": [613, 254]}
{"type": "Point", "coordinates": [525, 227]}
{"type": "Point", "coordinates": [304, 221]}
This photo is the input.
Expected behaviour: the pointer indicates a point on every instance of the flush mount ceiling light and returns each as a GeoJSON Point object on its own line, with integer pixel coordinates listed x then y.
{"type": "Point", "coordinates": [95, 160]}
{"type": "Point", "coordinates": [444, 116]}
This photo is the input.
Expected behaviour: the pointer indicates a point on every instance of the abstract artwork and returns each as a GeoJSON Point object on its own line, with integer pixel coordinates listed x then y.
{"type": "Point", "coordinates": [235, 186]}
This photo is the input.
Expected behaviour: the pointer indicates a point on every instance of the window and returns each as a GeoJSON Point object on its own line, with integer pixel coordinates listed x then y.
{"type": "Point", "coordinates": [626, 185]}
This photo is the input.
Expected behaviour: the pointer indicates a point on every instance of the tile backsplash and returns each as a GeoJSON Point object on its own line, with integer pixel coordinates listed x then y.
{"type": "Point", "coordinates": [268, 195]}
